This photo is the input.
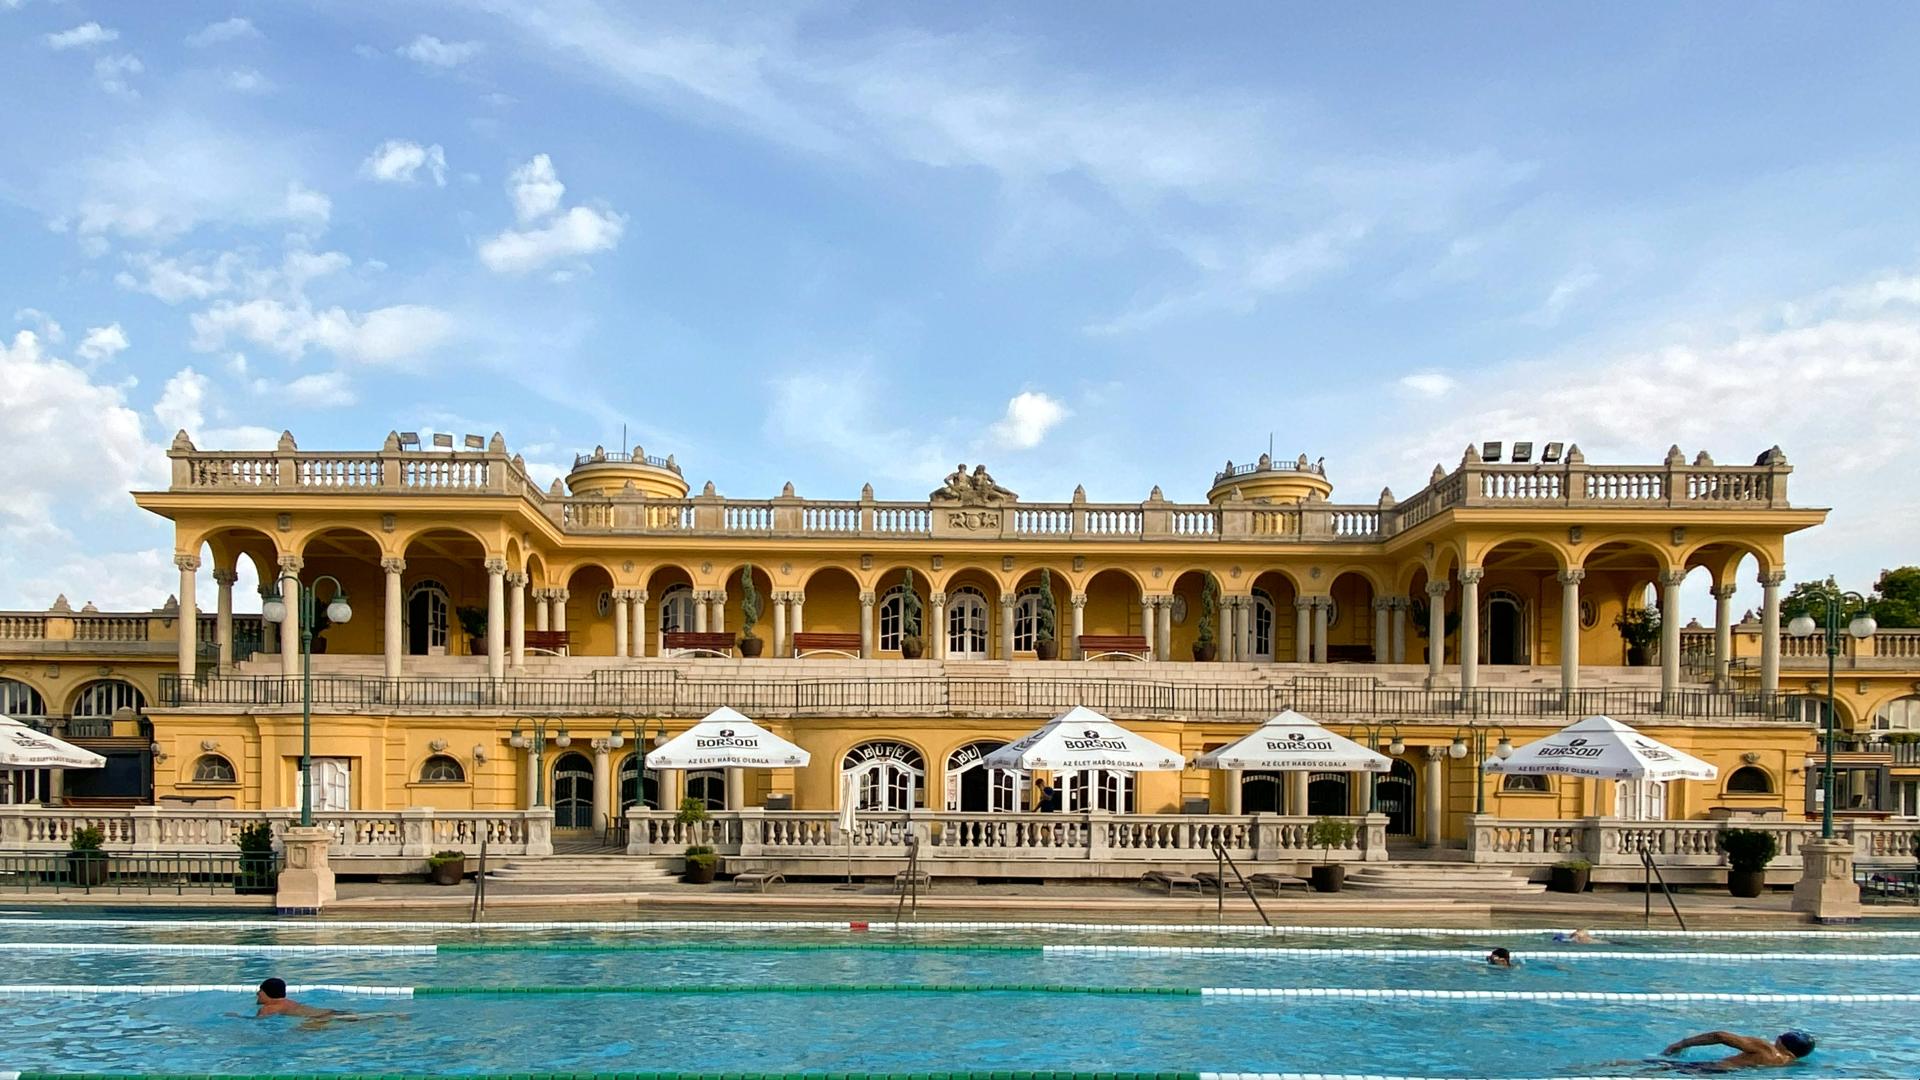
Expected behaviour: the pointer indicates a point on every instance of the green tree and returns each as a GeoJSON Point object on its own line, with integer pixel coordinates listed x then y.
{"type": "Point", "coordinates": [1896, 599]}
{"type": "Point", "coordinates": [1810, 598]}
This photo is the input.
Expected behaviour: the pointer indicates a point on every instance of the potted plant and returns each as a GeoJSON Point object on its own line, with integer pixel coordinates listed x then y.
{"type": "Point", "coordinates": [749, 613]}
{"type": "Point", "coordinates": [1046, 643]}
{"type": "Point", "coordinates": [447, 867]}
{"type": "Point", "coordinates": [256, 876]}
{"type": "Point", "coordinates": [473, 621]}
{"type": "Point", "coordinates": [911, 645]}
{"type": "Point", "coordinates": [1326, 834]}
{"type": "Point", "coordinates": [701, 862]}
{"type": "Point", "coordinates": [1640, 629]}
{"type": "Point", "coordinates": [1748, 853]}
{"type": "Point", "coordinates": [1570, 876]}
{"type": "Point", "coordinates": [86, 863]}
{"type": "Point", "coordinates": [1205, 648]}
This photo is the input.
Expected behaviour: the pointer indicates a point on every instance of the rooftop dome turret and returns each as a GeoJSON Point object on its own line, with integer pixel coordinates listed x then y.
{"type": "Point", "coordinates": [603, 473]}
{"type": "Point", "coordinates": [1268, 480]}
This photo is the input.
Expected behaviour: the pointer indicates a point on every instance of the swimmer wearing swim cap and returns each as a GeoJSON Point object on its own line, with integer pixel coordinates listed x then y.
{"type": "Point", "coordinates": [1754, 1052]}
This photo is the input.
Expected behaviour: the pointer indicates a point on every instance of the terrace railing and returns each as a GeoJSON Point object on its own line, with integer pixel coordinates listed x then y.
{"type": "Point", "coordinates": [359, 833]}
{"type": "Point", "coordinates": [1615, 842]}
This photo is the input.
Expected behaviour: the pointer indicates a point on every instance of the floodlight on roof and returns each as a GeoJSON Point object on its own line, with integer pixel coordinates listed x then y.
{"type": "Point", "coordinates": [445, 441]}
{"type": "Point", "coordinates": [1522, 453]}
{"type": "Point", "coordinates": [475, 442]}
{"type": "Point", "coordinates": [1490, 451]}
{"type": "Point", "coordinates": [410, 440]}
{"type": "Point", "coordinates": [1551, 453]}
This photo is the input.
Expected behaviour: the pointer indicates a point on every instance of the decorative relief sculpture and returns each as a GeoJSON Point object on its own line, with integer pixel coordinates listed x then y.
{"type": "Point", "coordinates": [975, 489]}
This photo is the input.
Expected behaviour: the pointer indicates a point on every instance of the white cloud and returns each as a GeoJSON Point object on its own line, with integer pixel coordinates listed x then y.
{"type": "Point", "coordinates": [398, 161]}
{"type": "Point", "coordinates": [176, 175]}
{"type": "Point", "coordinates": [84, 36]}
{"type": "Point", "coordinates": [102, 343]}
{"type": "Point", "coordinates": [579, 231]}
{"type": "Point", "coordinates": [325, 390]}
{"type": "Point", "coordinates": [69, 440]}
{"type": "Point", "coordinates": [225, 30]}
{"type": "Point", "coordinates": [432, 52]}
{"type": "Point", "coordinates": [248, 81]}
{"type": "Point", "coordinates": [1428, 384]}
{"type": "Point", "coordinates": [112, 72]}
{"type": "Point", "coordinates": [182, 402]}
{"type": "Point", "coordinates": [836, 410]}
{"type": "Point", "coordinates": [1030, 415]}
{"type": "Point", "coordinates": [173, 279]}
{"type": "Point", "coordinates": [49, 330]}
{"type": "Point", "coordinates": [536, 189]}
{"type": "Point", "coordinates": [388, 335]}
{"type": "Point", "coordinates": [307, 205]}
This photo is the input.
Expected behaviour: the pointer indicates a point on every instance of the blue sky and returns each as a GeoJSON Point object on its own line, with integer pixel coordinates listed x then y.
{"type": "Point", "coordinates": [838, 243]}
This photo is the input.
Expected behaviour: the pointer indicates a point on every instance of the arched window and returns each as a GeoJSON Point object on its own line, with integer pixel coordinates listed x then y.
{"type": "Point", "coordinates": [1524, 784]}
{"type": "Point", "coordinates": [708, 787]}
{"type": "Point", "coordinates": [1749, 780]}
{"type": "Point", "coordinates": [19, 699]}
{"type": "Point", "coordinates": [428, 604]}
{"type": "Point", "coordinates": [892, 775]}
{"type": "Point", "coordinates": [1026, 620]}
{"type": "Point", "coordinates": [104, 697]}
{"type": "Point", "coordinates": [441, 769]}
{"type": "Point", "coordinates": [972, 787]}
{"type": "Point", "coordinates": [1262, 625]}
{"type": "Point", "coordinates": [893, 619]}
{"type": "Point", "coordinates": [214, 769]}
{"type": "Point", "coordinates": [676, 610]}
{"type": "Point", "coordinates": [1900, 714]}
{"type": "Point", "coordinates": [967, 624]}
{"type": "Point", "coordinates": [639, 786]}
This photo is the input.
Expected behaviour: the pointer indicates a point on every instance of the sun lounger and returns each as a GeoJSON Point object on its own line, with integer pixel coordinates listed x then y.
{"type": "Point", "coordinates": [1169, 879]}
{"type": "Point", "coordinates": [759, 879]}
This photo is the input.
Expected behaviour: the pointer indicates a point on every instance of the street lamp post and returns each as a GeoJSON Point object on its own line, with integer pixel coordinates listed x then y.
{"type": "Point", "coordinates": [1373, 736]}
{"type": "Point", "coordinates": [537, 742]}
{"type": "Point", "coordinates": [1861, 627]}
{"type": "Point", "coordinates": [276, 610]}
{"type": "Point", "coordinates": [1503, 750]}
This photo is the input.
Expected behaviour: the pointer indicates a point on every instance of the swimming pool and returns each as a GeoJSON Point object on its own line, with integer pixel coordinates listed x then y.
{"type": "Point", "coordinates": [158, 996]}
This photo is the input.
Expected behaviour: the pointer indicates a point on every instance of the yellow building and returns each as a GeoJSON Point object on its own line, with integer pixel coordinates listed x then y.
{"type": "Point", "coordinates": [512, 647]}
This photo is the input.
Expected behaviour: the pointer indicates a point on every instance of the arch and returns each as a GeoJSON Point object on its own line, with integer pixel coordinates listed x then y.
{"type": "Point", "coordinates": [708, 787]}
{"type": "Point", "coordinates": [736, 616]}
{"type": "Point", "coordinates": [638, 785]}
{"type": "Point", "coordinates": [1187, 587]}
{"type": "Point", "coordinates": [974, 787]}
{"type": "Point", "coordinates": [891, 773]}
{"type": "Point", "coordinates": [428, 618]}
{"type": "Point", "coordinates": [1722, 556]}
{"type": "Point", "coordinates": [572, 789]}
{"type": "Point", "coordinates": [1396, 795]}
{"type": "Point", "coordinates": [590, 609]}
{"type": "Point", "coordinates": [1113, 603]}
{"type": "Point", "coordinates": [1281, 593]}
{"type": "Point", "coordinates": [536, 570]}
{"type": "Point", "coordinates": [1900, 714]}
{"type": "Point", "coordinates": [455, 560]}
{"type": "Point", "coordinates": [1620, 551]}
{"type": "Point", "coordinates": [890, 611]}
{"type": "Point", "coordinates": [832, 601]}
{"type": "Point", "coordinates": [677, 609]}
{"type": "Point", "coordinates": [1350, 621]}
{"type": "Point", "coordinates": [1749, 780]}
{"type": "Point", "coordinates": [19, 699]}
{"type": "Point", "coordinates": [1262, 792]}
{"type": "Point", "coordinates": [1529, 783]}
{"type": "Point", "coordinates": [1506, 628]}
{"type": "Point", "coordinates": [1027, 605]}
{"type": "Point", "coordinates": [442, 769]}
{"type": "Point", "coordinates": [214, 769]}
{"type": "Point", "coordinates": [101, 698]}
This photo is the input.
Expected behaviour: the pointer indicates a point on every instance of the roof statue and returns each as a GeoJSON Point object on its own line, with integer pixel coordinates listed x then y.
{"type": "Point", "coordinates": [972, 489]}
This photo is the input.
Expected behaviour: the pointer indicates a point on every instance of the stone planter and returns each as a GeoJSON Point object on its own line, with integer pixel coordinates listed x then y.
{"type": "Point", "coordinates": [699, 871]}
{"type": "Point", "coordinates": [256, 876]}
{"type": "Point", "coordinates": [450, 872]}
{"type": "Point", "coordinates": [87, 869]}
{"type": "Point", "coordinates": [1046, 649]}
{"type": "Point", "coordinates": [1746, 883]}
{"type": "Point", "coordinates": [1569, 879]}
{"type": "Point", "coordinates": [752, 647]}
{"type": "Point", "coordinates": [1205, 653]}
{"type": "Point", "coordinates": [912, 648]}
{"type": "Point", "coordinates": [1328, 878]}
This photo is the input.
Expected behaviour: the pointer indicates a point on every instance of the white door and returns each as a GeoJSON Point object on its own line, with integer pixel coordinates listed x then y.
{"type": "Point", "coordinates": [1640, 800]}
{"type": "Point", "coordinates": [1262, 628]}
{"type": "Point", "coordinates": [967, 627]}
{"type": "Point", "coordinates": [332, 784]}
{"type": "Point", "coordinates": [1097, 789]}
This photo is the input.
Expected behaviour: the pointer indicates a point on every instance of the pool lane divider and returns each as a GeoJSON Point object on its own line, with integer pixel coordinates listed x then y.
{"type": "Point", "coordinates": [1284, 992]}
{"type": "Point", "coordinates": [977, 1075]}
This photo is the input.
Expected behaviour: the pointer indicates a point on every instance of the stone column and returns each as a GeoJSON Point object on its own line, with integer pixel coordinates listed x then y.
{"type": "Point", "coordinates": [393, 627]}
{"type": "Point", "coordinates": [799, 606]}
{"type": "Point", "coordinates": [290, 566]}
{"type": "Point", "coordinates": [736, 789]}
{"type": "Point", "coordinates": [1229, 617]}
{"type": "Point", "coordinates": [602, 783]}
{"type": "Point", "coordinates": [780, 625]}
{"type": "Point", "coordinates": [1078, 601]}
{"type": "Point", "coordinates": [1007, 601]}
{"type": "Point", "coordinates": [1399, 629]}
{"type": "Point", "coordinates": [936, 630]}
{"type": "Point", "coordinates": [1770, 630]}
{"type": "Point", "coordinates": [701, 609]}
{"type": "Point", "coordinates": [1233, 791]}
{"type": "Point", "coordinates": [621, 620]}
{"type": "Point", "coordinates": [718, 623]}
{"type": "Point", "coordinates": [1826, 891]}
{"type": "Point", "coordinates": [223, 617]}
{"type": "Point", "coordinates": [866, 624]}
{"type": "Point", "coordinates": [542, 612]}
{"type": "Point", "coordinates": [1433, 796]}
{"type": "Point", "coordinates": [1147, 628]}
{"type": "Point", "coordinates": [1722, 632]}
{"type": "Point", "coordinates": [1436, 628]}
{"type": "Point", "coordinates": [558, 599]}
{"type": "Point", "coordinates": [1302, 630]}
{"type": "Point", "coordinates": [1382, 645]}
{"type": "Point", "coordinates": [189, 621]}
{"type": "Point", "coordinates": [1249, 612]}
{"type": "Point", "coordinates": [269, 632]}
{"type": "Point", "coordinates": [1570, 628]}
{"type": "Point", "coordinates": [1470, 628]}
{"type": "Point", "coordinates": [1670, 630]}
{"type": "Point", "coordinates": [1321, 605]}
{"type": "Point", "coordinates": [532, 775]}
{"type": "Point", "coordinates": [1165, 604]}
{"type": "Point", "coordinates": [496, 619]}
{"type": "Point", "coordinates": [637, 638]}
{"type": "Point", "coordinates": [517, 619]}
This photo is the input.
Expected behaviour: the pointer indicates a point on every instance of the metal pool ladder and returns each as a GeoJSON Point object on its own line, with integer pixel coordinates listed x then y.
{"type": "Point", "coordinates": [1222, 863]}
{"type": "Point", "coordinates": [1652, 874]}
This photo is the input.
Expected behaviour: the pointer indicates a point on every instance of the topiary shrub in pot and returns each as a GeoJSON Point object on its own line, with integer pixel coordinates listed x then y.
{"type": "Point", "coordinates": [750, 645]}
{"type": "Point", "coordinates": [701, 862]}
{"type": "Point", "coordinates": [1046, 642]}
{"type": "Point", "coordinates": [256, 876]}
{"type": "Point", "coordinates": [447, 867]}
{"type": "Point", "coordinates": [1748, 853]}
{"type": "Point", "coordinates": [1326, 834]}
{"type": "Point", "coordinates": [1639, 631]}
{"type": "Point", "coordinates": [86, 863]}
{"type": "Point", "coordinates": [1570, 876]}
{"type": "Point", "coordinates": [1205, 647]}
{"type": "Point", "coordinates": [912, 646]}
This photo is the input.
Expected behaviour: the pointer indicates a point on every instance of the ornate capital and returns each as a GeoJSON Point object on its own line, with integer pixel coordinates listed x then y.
{"type": "Point", "coordinates": [1472, 575]}
{"type": "Point", "coordinates": [291, 565]}
{"type": "Point", "coordinates": [640, 596]}
{"type": "Point", "coordinates": [1437, 588]}
{"type": "Point", "coordinates": [393, 564]}
{"type": "Point", "coordinates": [1007, 600]}
{"type": "Point", "coordinates": [1775, 579]}
{"type": "Point", "coordinates": [799, 600]}
{"type": "Point", "coordinates": [866, 598]}
{"type": "Point", "coordinates": [517, 579]}
{"type": "Point", "coordinates": [1078, 599]}
{"type": "Point", "coordinates": [1435, 753]}
{"type": "Point", "coordinates": [561, 595]}
{"type": "Point", "coordinates": [496, 566]}
{"type": "Point", "coordinates": [1570, 577]}
{"type": "Point", "coordinates": [600, 747]}
{"type": "Point", "coordinates": [938, 599]}
{"type": "Point", "coordinates": [1673, 579]}
{"type": "Point", "coordinates": [189, 563]}
{"type": "Point", "coordinates": [225, 577]}
{"type": "Point", "coordinates": [1722, 592]}
{"type": "Point", "coordinates": [1383, 603]}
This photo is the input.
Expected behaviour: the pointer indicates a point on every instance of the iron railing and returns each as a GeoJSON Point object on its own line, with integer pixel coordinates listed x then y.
{"type": "Point", "coordinates": [672, 693]}
{"type": "Point", "coordinates": [143, 872]}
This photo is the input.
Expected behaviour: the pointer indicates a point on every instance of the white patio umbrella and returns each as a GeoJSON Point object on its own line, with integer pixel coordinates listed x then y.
{"type": "Point", "coordinates": [724, 739]}
{"type": "Point", "coordinates": [1602, 748]}
{"type": "Point", "coordinates": [22, 747]}
{"type": "Point", "coordinates": [1291, 742]}
{"type": "Point", "coordinates": [1083, 739]}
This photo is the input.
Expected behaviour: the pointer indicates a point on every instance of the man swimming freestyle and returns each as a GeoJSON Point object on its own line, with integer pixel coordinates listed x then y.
{"type": "Point", "coordinates": [1754, 1052]}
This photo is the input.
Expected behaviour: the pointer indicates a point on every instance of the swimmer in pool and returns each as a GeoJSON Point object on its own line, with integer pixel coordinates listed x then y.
{"type": "Point", "coordinates": [1754, 1052]}
{"type": "Point", "coordinates": [273, 1000]}
{"type": "Point", "coordinates": [1500, 958]}
{"type": "Point", "coordinates": [1578, 937]}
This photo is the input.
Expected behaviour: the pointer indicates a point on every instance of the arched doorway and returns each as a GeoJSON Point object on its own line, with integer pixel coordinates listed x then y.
{"type": "Point", "coordinates": [1640, 800]}
{"type": "Point", "coordinates": [427, 609]}
{"type": "Point", "coordinates": [1110, 790]}
{"type": "Point", "coordinates": [1394, 795]}
{"type": "Point", "coordinates": [1261, 793]}
{"type": "Point", "coordinates": [638, 786]}
{"type": "Point", "coordinates": [891, 775]}
{"type": "Point", "coordinates": [1506, 628]}
{"type": "Point", "coordinates": [573, 792]}
{"type": "Point", "coordinates": [974, 788]}
{"type": "Point", "coordinates": [1263, 616]}
{"type": "Point", "coordinates": [709, 786]}
{"type": "Point", "coordinates": [1327, 794]}
{"type": "Point", "coordinates": [968, 628]}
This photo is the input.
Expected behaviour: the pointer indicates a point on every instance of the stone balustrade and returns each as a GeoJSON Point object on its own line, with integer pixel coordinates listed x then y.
{"type": "Point", "coordinates": [1615, 842]}
{"type": "Point", "coordinates": [1091, 836]}
{"type": "Point", "coordinates": [1885, 649]}
{"type": "Point", "coordinates": [356, 834]}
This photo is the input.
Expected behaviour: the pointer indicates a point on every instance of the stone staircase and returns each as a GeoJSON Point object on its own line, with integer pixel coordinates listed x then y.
{"type": "Point", "coordinates": [586, 872]}
{"type": "Point", "coordinates": [1429, 879]}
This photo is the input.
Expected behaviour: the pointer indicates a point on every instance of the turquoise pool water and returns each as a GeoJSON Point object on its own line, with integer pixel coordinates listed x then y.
{"type": "Point", "coordinates": [932, 1000]}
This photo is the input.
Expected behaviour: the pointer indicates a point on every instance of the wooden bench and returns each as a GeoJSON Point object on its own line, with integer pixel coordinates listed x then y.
{"type": "Point", "coordinates": [712, 644]}
{"type": "Point", "coordinates": [807, 642]}
{"type": "Point", "coordinates": [1349, 654]}
{"type": "Point", "coordinates": [1095, 646]}
{"type": "Point", "coordinates": [550, 642]}
{"type": "Point", "coordinates": [758, 879]}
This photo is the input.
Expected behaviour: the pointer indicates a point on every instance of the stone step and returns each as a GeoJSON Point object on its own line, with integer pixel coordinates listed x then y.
{"type": "Point", "coordinates": [1439, 878]}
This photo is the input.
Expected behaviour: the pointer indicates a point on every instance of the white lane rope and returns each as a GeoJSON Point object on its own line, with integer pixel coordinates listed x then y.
{"type": "Point", "coordinates": [169, 989]}
{"type": "Point", "coordinates": [217, 949]}
{"type": "Point", "coordinates": [1282, 953]}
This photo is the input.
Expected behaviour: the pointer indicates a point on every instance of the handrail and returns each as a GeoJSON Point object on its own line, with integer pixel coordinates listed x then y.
{"type": "Point", "coordinates": [480, 884]}
{"type": "Point", "coordinates": [1220, 853]}
{"type": "Point", "coordinates": [1646, 888]}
